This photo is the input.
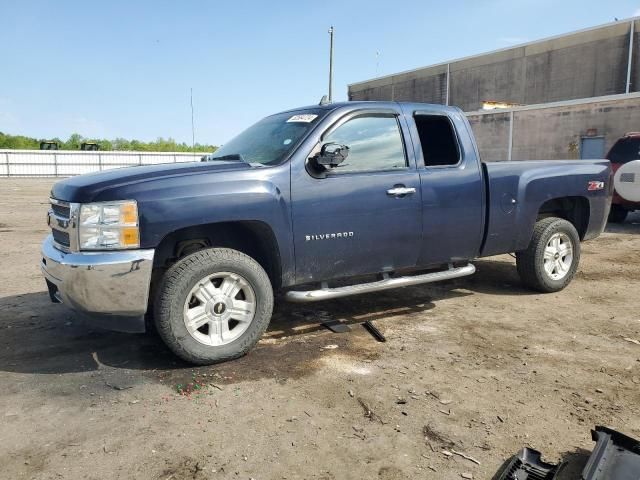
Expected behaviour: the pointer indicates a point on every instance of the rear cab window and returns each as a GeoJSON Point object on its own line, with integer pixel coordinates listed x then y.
{"type": "Point", "coordinates": [438, 140]}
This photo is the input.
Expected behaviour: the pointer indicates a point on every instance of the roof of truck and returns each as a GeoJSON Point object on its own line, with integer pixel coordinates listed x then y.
{"type": "Point", "coordinates": [334, 105]}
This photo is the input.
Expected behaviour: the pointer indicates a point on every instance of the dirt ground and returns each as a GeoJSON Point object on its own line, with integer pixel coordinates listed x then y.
{"type": "Point", "coordinates": [480, 366]}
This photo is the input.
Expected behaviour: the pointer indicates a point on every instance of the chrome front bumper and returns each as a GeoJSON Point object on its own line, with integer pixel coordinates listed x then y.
{"type": "Point", "coordinates": [109, 287]}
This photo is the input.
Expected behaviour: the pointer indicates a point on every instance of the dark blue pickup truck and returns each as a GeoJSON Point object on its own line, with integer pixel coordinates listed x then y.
{"type": "Point", "coordinates": [316, 203]}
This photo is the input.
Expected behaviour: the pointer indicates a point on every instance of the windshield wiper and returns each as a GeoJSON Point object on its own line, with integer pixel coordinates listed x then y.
{"type": "Point", "coordinates": [237, 157]}
{"type": "Point", "coordinates": [234, 156]}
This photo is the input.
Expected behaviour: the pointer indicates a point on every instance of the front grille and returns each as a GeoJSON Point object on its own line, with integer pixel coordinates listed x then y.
{"type": "Point", "coordinates": [61, 238]}
{"type": "Point", "coordinates": [63, 211]}
{"type": "Point", "coordinates": [62, 219]}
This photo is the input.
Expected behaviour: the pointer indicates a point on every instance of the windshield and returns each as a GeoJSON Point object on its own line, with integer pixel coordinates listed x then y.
{"type": "Point", "coordinates": [625, 150]}
{"type": "Point", "coordinates": [270, 140]}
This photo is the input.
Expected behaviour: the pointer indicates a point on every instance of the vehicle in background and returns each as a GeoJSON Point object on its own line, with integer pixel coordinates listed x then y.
{"type": "Point", "coordinates": [317, 203]}
{"type": "Point", "coordinates": [625, 163]}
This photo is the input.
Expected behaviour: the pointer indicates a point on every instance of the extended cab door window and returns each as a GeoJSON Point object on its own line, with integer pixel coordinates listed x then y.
{"type": "Point", "coordinates": [438, 140]}
{"type": "Point", "coordinates": [375, 143]}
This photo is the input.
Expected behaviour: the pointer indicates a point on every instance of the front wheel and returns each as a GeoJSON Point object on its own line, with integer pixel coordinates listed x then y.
{"type": "Point", "coordinates": [550, 261]}
{"type": "Point", "coordinates": [213, 305]}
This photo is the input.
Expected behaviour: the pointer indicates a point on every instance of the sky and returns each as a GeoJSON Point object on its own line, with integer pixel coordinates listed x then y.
{"type": "Point", "coordinates": [125, 68]}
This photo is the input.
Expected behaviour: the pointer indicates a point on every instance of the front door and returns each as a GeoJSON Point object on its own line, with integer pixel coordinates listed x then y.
{"type": "Point", "coordinates": [363, 216]}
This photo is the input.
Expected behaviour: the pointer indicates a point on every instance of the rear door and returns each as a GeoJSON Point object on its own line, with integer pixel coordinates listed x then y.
{"type": "Point", "coordinates": [364, 216]}
{"type": "Point", "coordinates": [451, 184]}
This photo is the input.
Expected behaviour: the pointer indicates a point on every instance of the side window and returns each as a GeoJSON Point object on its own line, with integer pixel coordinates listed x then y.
{"type": "Point", "coordinates": [374, 141]}
{"type": "Point", "coordinates": [438, 140]}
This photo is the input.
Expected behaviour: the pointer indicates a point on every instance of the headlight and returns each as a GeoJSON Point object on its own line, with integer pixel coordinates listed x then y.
{"type": "Point", "coordinates": [109, 225]}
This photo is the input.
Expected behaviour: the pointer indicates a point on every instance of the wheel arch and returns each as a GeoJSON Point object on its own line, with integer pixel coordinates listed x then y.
{"type": "Point", "coordinates": [575, 209]}
{"type": "Point", "coordinates": [252, 237]}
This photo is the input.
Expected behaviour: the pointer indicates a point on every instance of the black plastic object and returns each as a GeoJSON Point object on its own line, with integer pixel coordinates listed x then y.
{"type": "Point", "coordinates": [527, 465]}
{"type": "Point", "coordinates": [615, 457]}
{"type": "Point", "coordinates": [336, 326]}
{"type": "Point", "coordinates": [377, 334]}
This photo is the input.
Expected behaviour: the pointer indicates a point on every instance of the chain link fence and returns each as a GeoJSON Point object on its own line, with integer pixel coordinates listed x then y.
{"type": "Point", "coordinates": [66, 163]}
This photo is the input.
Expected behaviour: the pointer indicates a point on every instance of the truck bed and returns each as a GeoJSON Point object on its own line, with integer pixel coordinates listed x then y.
{"type": "Point", "coordinates": [516, 192]}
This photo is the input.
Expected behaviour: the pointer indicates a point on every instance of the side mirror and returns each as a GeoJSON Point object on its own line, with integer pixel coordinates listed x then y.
{"type": "Point", "coordinates": [331, 155]}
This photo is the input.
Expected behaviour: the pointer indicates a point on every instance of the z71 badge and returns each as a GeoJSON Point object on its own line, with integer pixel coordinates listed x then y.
{"type": "Point", "coordinates": [328, 236]}
{"type": "Point", "coordinates": [595, 185]}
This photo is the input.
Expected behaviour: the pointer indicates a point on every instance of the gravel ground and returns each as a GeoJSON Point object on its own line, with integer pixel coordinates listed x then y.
{"type": "Point", "coordinates": [480, 366]}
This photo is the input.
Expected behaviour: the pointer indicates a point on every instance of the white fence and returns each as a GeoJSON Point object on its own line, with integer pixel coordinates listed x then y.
{"type": "Point", "coordinates": [64, 163]}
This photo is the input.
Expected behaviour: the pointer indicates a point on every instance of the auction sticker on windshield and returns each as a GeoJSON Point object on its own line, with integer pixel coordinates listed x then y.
{"type": "Point", "coordinates": [306, 118]}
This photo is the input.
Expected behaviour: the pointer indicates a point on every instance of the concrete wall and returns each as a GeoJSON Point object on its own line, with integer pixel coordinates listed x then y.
{"type": "Point", "coordinates": [553, 133]}
{"type": "Point", "coordinates": [584, 64]}
{"type": "Point", "coordinates": [492, 135]}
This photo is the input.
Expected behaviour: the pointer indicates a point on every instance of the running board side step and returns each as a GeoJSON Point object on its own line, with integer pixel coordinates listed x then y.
{"type": "Point", "coordinates": [302, 296]}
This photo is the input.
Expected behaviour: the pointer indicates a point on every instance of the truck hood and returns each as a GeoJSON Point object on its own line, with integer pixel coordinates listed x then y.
{"type": "Point", "coordinates": [84, 188]}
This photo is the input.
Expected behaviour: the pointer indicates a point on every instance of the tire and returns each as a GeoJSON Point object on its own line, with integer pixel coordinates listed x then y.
{"type": "Point", "coordinates": [202, 277]}
{"type": "Point", "coordinates": [617, 214]}
{"type": "Point", "coordinates": [546, 265]}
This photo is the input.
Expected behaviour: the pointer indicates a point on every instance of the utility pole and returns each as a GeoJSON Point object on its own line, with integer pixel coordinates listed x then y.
{"type": "Point", "coordinates": [330, 63]}
{"type": "Point", "coordinates": [193, 130]}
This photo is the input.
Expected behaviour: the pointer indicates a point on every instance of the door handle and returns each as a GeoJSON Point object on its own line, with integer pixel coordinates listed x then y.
{"type": "Point", "coordinates": [400, 191]}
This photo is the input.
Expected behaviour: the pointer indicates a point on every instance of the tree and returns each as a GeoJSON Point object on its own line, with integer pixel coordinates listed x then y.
{"type": "Point", "coordinates": [19, 142]}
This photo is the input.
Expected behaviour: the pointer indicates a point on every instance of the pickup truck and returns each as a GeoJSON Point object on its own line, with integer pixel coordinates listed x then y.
{"type": "Point", "coordinates": [309, 204]}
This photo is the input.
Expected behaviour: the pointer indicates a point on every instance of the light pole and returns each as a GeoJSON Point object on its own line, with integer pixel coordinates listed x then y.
{"type": "Point", "coordinates": [193, 129]}
{"type": "Point", "coordinates": [330, 63]}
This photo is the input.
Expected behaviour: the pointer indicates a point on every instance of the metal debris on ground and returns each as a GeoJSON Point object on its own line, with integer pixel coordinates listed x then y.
{"type": "Point", "coordinates": [336, 326]}
{"type": "Point", "coordinates": [464, 455]}
{"type": "Point", "coordinates": [118, 387]}
{"type": "Point", "coordinates": [528, 464]}
{"type": "Point", "coordinates": [377, 334]}
{"type": "Point", "coordinates": [368, 412]}
{"type": "Point", "coordinates": [615, 457]}
{"type": "Point", "coordinates": [430, 434]}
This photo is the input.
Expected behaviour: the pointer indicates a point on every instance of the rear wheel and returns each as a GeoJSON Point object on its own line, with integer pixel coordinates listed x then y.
{"type": "Point", "coordinates": [213, 305]}
{"type": "Point", "coordinates": [550, 261]}
{"type": "Point", "coordinates": [618, 214]}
